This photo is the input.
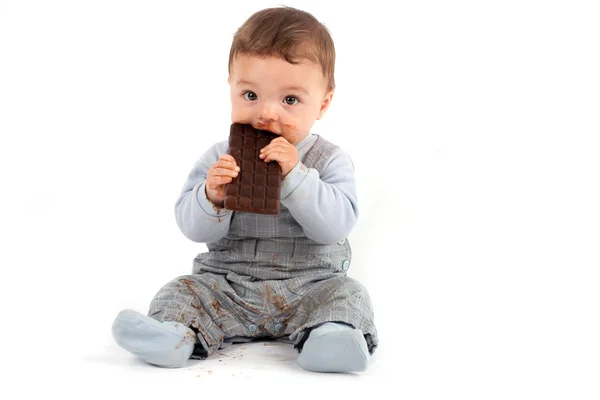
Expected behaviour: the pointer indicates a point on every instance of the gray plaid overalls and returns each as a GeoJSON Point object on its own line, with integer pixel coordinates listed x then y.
{"type": "Point", "coordinates": [266, 279]}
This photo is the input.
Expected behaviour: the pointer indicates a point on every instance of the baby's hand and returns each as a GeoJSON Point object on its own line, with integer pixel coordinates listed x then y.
{"type": "Point", "coordinates": [283, 152]}
{"type": "Point", "coordinates": [219, 174]}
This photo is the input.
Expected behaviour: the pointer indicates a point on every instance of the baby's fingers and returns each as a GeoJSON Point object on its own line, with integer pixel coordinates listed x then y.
{"type": "Point", "coordinates": [226, 165]}
{"type": "Point", "coordinates": [222, 180]}
{"type": "Point", "coordinates": [225, 172]}
{"type": "Point", "coordinates": [276, 156]}
{"type": "Point", "coordinates": [214, 181]}
{"type": "Point", "coordinates": [228, 157]}
{"type": "Point", "coordinates": [274, 147]}
{"type": "Point", "coordinates": [226, 161]}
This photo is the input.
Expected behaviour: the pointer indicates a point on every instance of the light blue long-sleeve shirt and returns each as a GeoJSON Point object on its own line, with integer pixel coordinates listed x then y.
{"type": "Point", "coordinates": [325, 204]}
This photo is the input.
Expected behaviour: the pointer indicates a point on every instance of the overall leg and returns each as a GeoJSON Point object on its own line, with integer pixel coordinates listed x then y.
{"type": "Point", "coordinates": [336, 331]}
{"type": "Point", "coordinates": [208, 304]}
{"type": "Point", "coordinates": [180, 323]}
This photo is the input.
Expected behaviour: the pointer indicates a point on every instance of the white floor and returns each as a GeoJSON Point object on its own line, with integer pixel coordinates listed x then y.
{"type": "Point", "coordinates": [255, 370]}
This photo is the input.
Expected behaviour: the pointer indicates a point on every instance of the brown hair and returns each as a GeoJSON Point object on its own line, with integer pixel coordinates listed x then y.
{"type": "Point", "coordinates": [289, 33]}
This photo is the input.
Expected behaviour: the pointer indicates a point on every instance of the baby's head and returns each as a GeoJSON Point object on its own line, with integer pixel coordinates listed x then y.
{"type": "Point", "coordinates": [281, 68]}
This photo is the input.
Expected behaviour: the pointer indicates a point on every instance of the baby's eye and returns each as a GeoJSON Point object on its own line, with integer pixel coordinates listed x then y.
{"type": "Point", "coordinates": [291, 100]}
{"type": "Point", "coordinates": [250, 96]}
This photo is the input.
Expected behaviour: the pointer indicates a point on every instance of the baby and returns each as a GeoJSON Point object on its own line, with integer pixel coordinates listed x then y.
{"type": "Point", "coordinates": [268, 276]}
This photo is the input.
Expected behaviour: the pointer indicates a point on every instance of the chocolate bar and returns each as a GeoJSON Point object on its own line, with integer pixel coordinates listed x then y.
{"type": "Point", "coordinates": [257, 186]}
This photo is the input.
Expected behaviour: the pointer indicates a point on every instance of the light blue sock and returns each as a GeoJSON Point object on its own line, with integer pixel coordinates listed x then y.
{"type": "Point", "coordinates": [334, 347]}
{"type": "Point", "coordinates": [165, 344]}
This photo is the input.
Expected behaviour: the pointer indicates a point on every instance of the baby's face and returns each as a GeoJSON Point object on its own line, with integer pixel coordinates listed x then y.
{"type": "Point", "coordinates": [274, 95]}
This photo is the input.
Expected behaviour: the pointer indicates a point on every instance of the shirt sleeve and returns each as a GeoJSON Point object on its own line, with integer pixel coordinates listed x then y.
{"type": "Point", "coordinates": [197, 217]}
{"type": "Point", "coordinates": [324, 205]}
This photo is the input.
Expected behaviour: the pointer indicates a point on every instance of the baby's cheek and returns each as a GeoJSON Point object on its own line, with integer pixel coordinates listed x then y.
{"type": "Point", "coordinates": [240, 114]}
{"type": "Point", "coordinates": [236, 116]}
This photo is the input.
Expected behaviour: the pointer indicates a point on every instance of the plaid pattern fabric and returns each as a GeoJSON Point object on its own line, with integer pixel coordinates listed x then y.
{"type": "Point", "coordinates": [267, 279]}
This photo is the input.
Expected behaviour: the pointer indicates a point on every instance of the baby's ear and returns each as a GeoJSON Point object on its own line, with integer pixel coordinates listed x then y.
{"type": "Point", "coordinates": [229, 80]}
{"type": "Point", "coordinates": [326, 103]}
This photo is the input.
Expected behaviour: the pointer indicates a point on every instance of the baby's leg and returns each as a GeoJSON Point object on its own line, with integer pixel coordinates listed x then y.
{"type": "Point", "coordinates": [168, 336]}
{"type": "Point", "coordinates": [207, 304]}
{"type": "Point", "coordinates": [338, 333]}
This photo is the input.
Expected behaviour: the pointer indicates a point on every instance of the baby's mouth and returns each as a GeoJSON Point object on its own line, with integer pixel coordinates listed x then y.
{"type": "Point", "coordinates": [264, 127]}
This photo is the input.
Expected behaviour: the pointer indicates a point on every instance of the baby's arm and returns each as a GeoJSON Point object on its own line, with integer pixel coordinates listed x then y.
{"type": "Point", "coordinates": [197, 217]}
{"type": "Point", "coordinates": [325, 206]}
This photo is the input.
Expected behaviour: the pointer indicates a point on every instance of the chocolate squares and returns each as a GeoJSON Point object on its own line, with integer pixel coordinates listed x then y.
{"type": "Point", "coordinates": [256, 188]}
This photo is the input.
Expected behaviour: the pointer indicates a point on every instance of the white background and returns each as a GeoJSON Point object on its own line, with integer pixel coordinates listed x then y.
{"type": "Point", "coordinates": [474, 129]}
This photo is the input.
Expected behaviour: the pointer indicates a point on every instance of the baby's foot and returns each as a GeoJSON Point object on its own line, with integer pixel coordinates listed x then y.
{"type": "Point", "coordinates": [166, 344]}
{"type": "Point", "coordinates": [334, 347]}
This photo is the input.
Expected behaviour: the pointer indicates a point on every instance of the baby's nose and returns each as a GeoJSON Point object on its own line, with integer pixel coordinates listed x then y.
{"type": "Point", "coordinates": [268, 112]}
